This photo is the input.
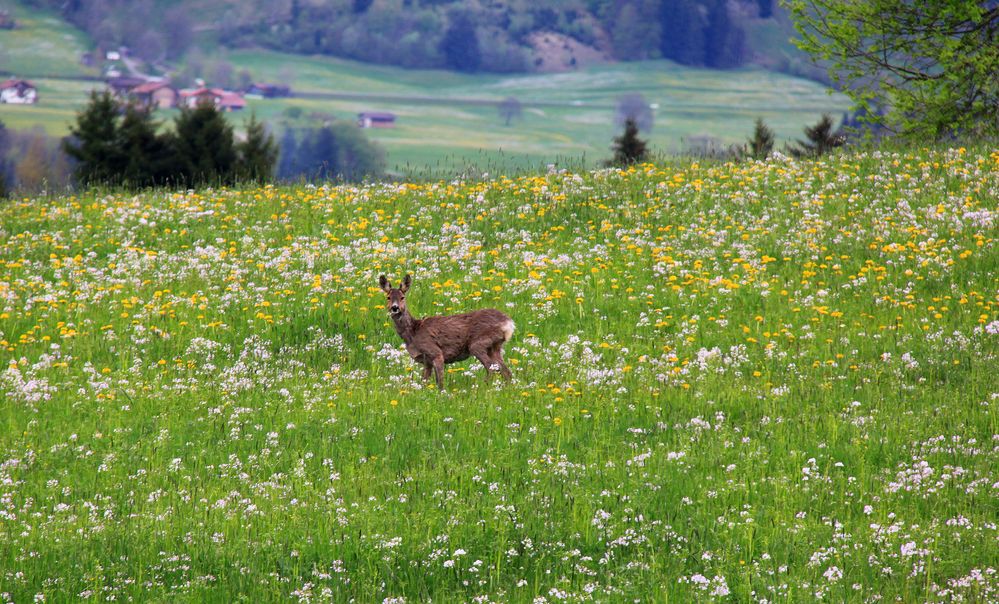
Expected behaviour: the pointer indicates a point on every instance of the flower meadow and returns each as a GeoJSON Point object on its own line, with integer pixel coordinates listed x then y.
{"type": "Point", "coordinates": [759, 382]}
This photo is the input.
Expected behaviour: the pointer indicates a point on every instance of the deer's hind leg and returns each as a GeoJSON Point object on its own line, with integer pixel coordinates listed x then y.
{"type": "Point", "coordinates": [439, 370]}
{"type": "Point", "coordinates": [496, 358]}
{"type": "Point", "coordinates": [428, 368]}
{"type": "Point", "coordinates": [480, 350]}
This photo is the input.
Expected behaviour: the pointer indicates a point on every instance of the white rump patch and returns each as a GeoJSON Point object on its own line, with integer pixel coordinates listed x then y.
{"type": "Point", "coordinates": [507, 330]}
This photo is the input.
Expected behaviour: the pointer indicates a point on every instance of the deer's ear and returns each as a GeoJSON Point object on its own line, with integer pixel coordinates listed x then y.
{"type": "Point", "coordinates": [406, 282]}
{"type": "Point", "coordinates": [383, 282]}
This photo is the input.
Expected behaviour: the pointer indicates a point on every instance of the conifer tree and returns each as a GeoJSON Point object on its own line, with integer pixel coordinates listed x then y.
{"type": "Point", "coordinates": [205, 148]}
{"type": "Point", "coordinates": [628, 148]}
{"type": "Point", "coordinates": [821, 139]}
{"type": "Point", "coordinates": [257, 154]}
{"type": "Point", "coordinates": [762, 142]}
{"type": "Point", "coordinates": [94, 144]}
{"type": "Point", "coordinates": [149, 160]}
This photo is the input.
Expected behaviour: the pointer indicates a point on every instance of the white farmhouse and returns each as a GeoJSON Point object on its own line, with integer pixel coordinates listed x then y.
{"type": "Point", "coordinates": [18, 92]}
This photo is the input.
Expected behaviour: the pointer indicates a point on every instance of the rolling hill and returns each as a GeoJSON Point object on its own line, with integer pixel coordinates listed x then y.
{"type": "Point", "coordinates": [448, 118]}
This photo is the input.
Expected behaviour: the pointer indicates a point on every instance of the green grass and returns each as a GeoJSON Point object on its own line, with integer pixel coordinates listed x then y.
{"type": "Point", "coordinates": [692, 102]}
{"type": "Point", "coordinates": [731, 382]}
{"type": "Point", "coordinates": [42, 45]}
{"type": "Point", "coordinates": [565, 115]}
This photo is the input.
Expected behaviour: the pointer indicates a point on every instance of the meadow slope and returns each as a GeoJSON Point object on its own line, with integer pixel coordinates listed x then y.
{"type": "Point", "coordinates": [768, 381]}
{"type": "Point", "coordinates": [447, 120]}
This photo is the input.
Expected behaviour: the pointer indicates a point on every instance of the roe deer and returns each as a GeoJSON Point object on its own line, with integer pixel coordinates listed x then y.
{"type": "Point", "coordinates": [436, 341]}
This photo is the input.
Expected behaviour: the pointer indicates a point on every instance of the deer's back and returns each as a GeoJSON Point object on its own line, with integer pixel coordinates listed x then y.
{"type": "Point", "coordinates": [453, 334]}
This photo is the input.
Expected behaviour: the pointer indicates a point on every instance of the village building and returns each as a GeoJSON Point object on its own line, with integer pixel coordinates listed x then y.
{"type": "Point", "coordinates": [155, 95]}
{"type": "Point", "coordinates": [267, 91]}
{"type": "Point", "coordinates": [223, 99]}
{"type": "Point", "coordinates": [376, 119]}
{"type": "Point", "coordinates": [121, 86]}
{"type": "Point", "coordinates": [18, 92]}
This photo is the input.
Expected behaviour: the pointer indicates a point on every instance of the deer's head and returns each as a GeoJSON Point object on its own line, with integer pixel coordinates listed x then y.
{"type": "Point", "coordinates": [396, 296]}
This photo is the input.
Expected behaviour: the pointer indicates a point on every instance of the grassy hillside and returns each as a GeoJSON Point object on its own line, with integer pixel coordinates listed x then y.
{"type": "Point", "coordinates": [42, 44]}
{"type": "Point", "coordinates": [447, 117]}
{"type": "Point", "coordinates": [579, 113]}
{"type": "Point", "coordinates": [766, 380]}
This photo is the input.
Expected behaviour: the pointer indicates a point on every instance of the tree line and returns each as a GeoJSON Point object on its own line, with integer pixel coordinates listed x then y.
{"type": "Point", "coordinates": [115, 144]}
{"type": "Point", "coordinates": [819, 140]}
{"type": "Point", "coordinates": [494, 36]}
{"type": "Point", "coordinates": [112, 145]}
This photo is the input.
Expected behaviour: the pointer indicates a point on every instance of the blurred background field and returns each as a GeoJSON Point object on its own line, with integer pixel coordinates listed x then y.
{"type": "Point", "coordinates": [449, 118]}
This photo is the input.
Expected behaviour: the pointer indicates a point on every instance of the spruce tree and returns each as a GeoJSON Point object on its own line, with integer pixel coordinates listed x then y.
{"type": "Point", "coordinates": [821, 139]}
{"type": "Point", "coordinates": [94, 144]}
{"type": "Point", "coordinates": [762, 142]}
{"type": "Point", "coordinates": [149, 160]}
{"type": "Point", "coordinates": [628, 148]}
{"type": "Point", "coordinates": [257, 154]}
{"type": "Point", "coordinates": [204, 144]}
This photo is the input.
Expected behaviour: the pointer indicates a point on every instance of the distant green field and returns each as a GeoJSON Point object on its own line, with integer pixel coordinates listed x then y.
{"type": "Point", "coordinates": [691, 102]}
{"type": "Point", "coordinates": [443, 120]}
{"type": "Point", "coordinates": [42, 44]}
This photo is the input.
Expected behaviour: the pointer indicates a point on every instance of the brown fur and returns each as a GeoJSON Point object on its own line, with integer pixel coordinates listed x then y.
{"type": "Point", "coordinates": [436, 341]}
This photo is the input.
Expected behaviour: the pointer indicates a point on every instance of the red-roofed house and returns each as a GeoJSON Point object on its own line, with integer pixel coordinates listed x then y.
{"type": "Point", "coordinates": [155, 95]}
{"type": "Point", "coordinates": [231, 101]}
{"type": "Point", "coordinates": [18, 92]}
{"type": "Point", "coordinates": [223, 99]}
